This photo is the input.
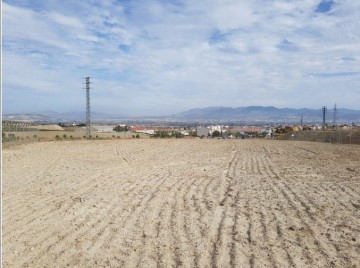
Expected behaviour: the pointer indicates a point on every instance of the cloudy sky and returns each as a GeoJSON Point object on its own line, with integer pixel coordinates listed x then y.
{"type": "Point", "coordinates": [154, 57]}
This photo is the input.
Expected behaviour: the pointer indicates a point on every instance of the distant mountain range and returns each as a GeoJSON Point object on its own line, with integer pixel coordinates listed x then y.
{"type": "Point", "coordinates": [50, 116]}
{"type": "Point", "coordinates": [248, 114]}
{"type": "Point", "coordinates": [268, 113]}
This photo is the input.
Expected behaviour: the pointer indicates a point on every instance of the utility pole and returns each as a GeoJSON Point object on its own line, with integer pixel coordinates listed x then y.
{"type": "Point", "coordinates": [335, 115]}
{"type": "Point", "coordinates": [324, 109]}
{"type": "Point", "coordinates": [87, 83]}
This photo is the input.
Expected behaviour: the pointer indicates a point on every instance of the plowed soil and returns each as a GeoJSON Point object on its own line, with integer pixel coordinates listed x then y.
{"type": "Point", "coordinates": [181, 203]}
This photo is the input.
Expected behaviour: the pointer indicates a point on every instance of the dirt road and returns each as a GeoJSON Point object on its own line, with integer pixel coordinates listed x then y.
{"type": "Point", "coordinates": [181, 203]}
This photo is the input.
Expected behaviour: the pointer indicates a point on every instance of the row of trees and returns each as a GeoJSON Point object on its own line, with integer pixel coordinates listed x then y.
{"type": "Point", "coordinates": [11, 137]}
{"type": "Point", "coordinates": [166, 134]}
{"type": "Point", "coordinates": [121, 128]}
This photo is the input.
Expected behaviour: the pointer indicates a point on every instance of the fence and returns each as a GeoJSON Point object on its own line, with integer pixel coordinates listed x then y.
{"type": "Point", "coordinates": [17, 132]}
{"type": "Point", "coordinates": [330, 136]}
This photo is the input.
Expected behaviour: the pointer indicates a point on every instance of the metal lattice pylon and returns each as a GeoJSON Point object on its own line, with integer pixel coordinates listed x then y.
{"type": "Point", "coordinates": [87, 83]}
{"type": "Point", "coordinates": [324, 109]}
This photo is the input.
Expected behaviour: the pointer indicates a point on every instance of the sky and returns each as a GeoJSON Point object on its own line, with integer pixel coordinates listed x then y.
{"type": "Point", "coordinates": [157, 57]}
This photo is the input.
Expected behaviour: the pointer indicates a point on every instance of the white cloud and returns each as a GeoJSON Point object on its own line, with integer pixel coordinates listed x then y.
{"type": "Point", "coordinates": [153, 55]}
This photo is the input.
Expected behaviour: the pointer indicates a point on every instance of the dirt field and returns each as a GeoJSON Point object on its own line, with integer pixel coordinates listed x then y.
{"type": "Point", "coordinates": [190, 203]}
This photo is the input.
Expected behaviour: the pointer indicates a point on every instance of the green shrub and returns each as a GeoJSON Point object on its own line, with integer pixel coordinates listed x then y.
{"type": "Point", "coordinates": [120, 128]}
{"type": "Point", "coordinates": [216, 133]}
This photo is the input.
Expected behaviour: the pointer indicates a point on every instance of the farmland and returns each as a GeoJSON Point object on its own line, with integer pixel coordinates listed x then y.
{"type": "Point", "coordinates": [186, 203]}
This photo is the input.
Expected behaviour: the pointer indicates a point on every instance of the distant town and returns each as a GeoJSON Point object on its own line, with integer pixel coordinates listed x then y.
{"type": "Point", "coordinates": [335, 125]}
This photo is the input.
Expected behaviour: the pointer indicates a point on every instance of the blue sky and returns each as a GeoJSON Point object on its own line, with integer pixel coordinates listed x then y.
{"type": "Point", "coordinates": [163, 57]}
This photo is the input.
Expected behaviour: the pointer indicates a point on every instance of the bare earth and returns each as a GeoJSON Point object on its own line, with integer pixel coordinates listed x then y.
{"type": "Point", "coordinates": [190, 203]}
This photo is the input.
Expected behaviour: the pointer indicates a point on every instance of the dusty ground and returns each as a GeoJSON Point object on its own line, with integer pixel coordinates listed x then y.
{"type": "Point", "coordinates": [191, 203]}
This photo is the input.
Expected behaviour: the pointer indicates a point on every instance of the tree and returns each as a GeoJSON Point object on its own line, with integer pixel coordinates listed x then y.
{"type": "Point", "coordinates": [120, 128]}
{"type": "Point", "coordinates": [216, 133]}
{"type": "Point", "coordinates": [193, 133]}
{"type": "Point", "coordinates": [161, 134]}
{"type": "Point", "coordinates": [177, 134]}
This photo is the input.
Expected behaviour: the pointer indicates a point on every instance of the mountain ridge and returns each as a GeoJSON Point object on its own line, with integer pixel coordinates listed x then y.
{"type": "Point", "coordinates": [263, 112]}
{"type": "Point", "coordinates": [223, 113]}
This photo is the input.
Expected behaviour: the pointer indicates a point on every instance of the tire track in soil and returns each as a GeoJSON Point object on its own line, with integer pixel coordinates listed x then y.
{"type": "Point", "coordinates": [265, 225]}
{"type": "Point", "coordinates": [320, 224]}
{"type": "Point", "coordinates": [179, 222]}
{"type": "Point", "coordinates": [47, 210]}
{"type": "Point", "coordinates": [219, 251]}
{"type": "Point", "coordinates": [249, 235]}
{"type": "Point", "coordinates": [234, 251]}
{"type": "Point", "coordinates": [49, 165]}
{"type": "Point", "coordinates": [56, 241]}
{"type": "Point", "coordinates": [167, 256]}
{"type": "Point", "coordinates": [145, 227]}
{"type": "Point", "coordinates": [299, 251]}
{"type": "Point", "coordinates": [280, 192]}
{"type": "Point", "coordinates": [352, 192]}
{"type": "Point", "coordinates": [307, 224]}
{"type": "Point", "coordinates": [333, 247]}
{"type": "Point", "coordinates": [334, 195]}
{"type": "Point", "coordinates": [206, 194]}
{"type": "Point", "coordinates": [78, 184]}
{"type": "Point", "coordinates": [281, 254]}
{"type": "Point", "coordinates": [192, 225]}
{"type": "Point", "coordinates": [142, 228]}
{"type": "Point", "coordinates": [99, 236]}
{"type": "Point", "coordinates": [202, 218]}
{"type": "Point", "coordinates": [321, 245]}
{"type": "Point", "coordinates": [173, 222]}
{"type": "Point", "coordinates": [59, 244]}
{"type": "Point", "coordinates": [109, 241]}
{"type": "Point", "coordinates": [240, 250]}
{"type": "Point", "coordinates": [307, 209]}
{"type": "Point", "coordinates": [257, 231]}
